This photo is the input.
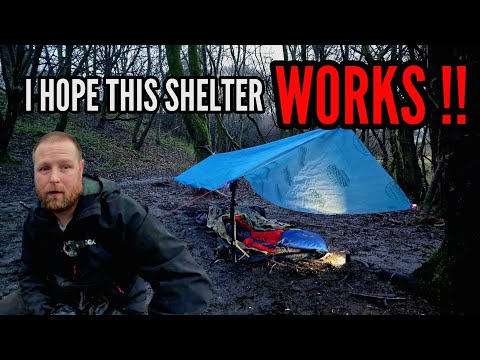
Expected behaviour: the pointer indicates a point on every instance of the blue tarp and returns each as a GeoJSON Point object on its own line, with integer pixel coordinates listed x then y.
{"type": "Point", "coordinates": [319, 171]}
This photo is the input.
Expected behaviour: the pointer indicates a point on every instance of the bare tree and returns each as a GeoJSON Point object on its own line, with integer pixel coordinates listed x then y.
{"type": "Point", "coordinates": [137, 142]}
{"type": "Point", "coordinates": [111, 56]}
{"type": "Point", "coordinates": [197, 124]}
{"type": "Point", "coordinates": [18, 62]}
{"type": "Point", "coordinates": [65, 72]}
{"type": "Point", "coordinates": [452, 272]}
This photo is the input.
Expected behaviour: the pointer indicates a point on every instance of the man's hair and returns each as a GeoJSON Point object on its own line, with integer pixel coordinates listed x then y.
{"type": "Point", "coordinates": [58, 136]}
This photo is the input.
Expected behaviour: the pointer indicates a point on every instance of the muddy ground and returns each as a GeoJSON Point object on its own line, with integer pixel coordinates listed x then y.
{"type": "Point", "coordinates": [392, 241]}
{"type": "Point", "coordinates": [397, 242]}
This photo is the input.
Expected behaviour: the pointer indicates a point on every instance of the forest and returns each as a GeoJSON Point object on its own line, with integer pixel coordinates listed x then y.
{"type": "Point", "coordinates": [434, 164]}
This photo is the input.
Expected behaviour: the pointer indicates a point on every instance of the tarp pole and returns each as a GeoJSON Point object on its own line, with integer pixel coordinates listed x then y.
{"type": "Point", "coordinates": [233, 250]}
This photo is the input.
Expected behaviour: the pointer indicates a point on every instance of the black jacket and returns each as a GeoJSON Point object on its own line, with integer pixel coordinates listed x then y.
{"type": "Point", "coordinates": [103, 258]}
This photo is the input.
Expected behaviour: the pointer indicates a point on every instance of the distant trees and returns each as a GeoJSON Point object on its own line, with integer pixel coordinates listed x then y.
{"type": "Point", "coordinates": [411, 156]}
{"type": "Point", "coordinates": [227, 131]}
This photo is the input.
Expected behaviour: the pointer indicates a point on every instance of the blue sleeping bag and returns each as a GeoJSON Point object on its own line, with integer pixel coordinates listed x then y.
{"type": "Point", "coordinates": [303, 239]}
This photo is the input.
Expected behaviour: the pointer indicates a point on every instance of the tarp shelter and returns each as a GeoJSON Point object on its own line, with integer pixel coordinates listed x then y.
{"type": "Point", "coordinates": [319, 171]}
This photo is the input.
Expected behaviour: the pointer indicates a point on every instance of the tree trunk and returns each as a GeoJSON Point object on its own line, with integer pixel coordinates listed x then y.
{"type": "Point", "coordinates": [137, 145]}
{"type": "Point", "coordinates": [404, 166]}
{"type": "Point", "coordinates": [7, 125]}
{"type": "Point", "coordinates": [66, 72]}
{"type": "Point", "coordinates": [453, 271]}
{"type": "Point", "coordinates": [196, 124]}
{"type": "Point", "coordinates": [436, 201]}
{"type": "Point", "coordinates": [158, 128]}
{"type": "Point", "coordinates": [411, 179]}
{"type": "Point", "coordinates": [137, 142]}
{"type": "Point", "coordinates": [104, 102]}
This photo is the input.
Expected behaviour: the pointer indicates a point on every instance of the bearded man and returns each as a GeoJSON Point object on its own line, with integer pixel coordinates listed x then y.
{"type": "Point", "coordinates": [90, 249]}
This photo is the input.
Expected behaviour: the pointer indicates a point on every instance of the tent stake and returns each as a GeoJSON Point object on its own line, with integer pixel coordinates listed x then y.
{"type": "Point", "coordinates": [233, 189]}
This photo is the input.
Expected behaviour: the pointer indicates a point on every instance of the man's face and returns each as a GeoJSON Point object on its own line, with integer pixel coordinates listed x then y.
{"type": "Point", "coordinates": [58, 175]}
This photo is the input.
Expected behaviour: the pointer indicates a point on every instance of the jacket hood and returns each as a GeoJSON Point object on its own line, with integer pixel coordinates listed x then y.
{"type": "Point", "coordinates": [93, 185]}
{"type": "Point", "coordinates": [93, 188]}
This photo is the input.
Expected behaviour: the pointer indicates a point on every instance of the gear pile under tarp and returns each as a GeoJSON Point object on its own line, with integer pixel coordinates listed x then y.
{"type": "Point", "coordinates": [259, 238]}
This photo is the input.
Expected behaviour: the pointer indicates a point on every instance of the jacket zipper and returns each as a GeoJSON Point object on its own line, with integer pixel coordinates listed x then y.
{"type": "Point", "coordinates": [74, 271]}
{"type": "Point", "coordinates": [119, 289]}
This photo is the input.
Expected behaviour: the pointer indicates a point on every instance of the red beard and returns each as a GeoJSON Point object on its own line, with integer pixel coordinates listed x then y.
{"type": "Point", "coordinates": [63, 200]}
